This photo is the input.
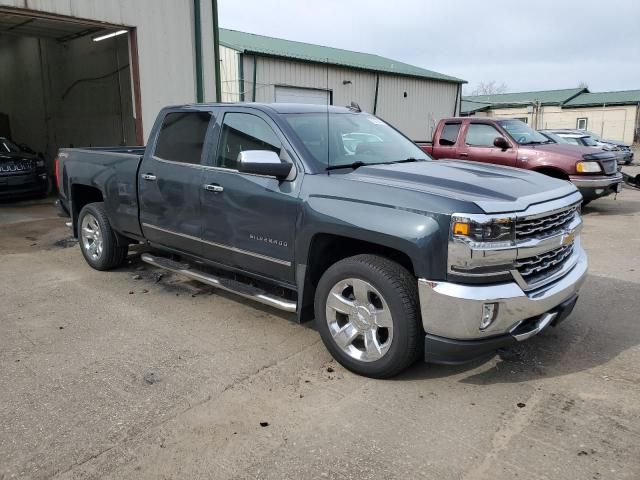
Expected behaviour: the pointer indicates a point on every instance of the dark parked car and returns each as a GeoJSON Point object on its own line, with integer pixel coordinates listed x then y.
{"type": "Point", "coordinates": [334, 214]}
{"type": "Point", "coordinates": [23, 172]}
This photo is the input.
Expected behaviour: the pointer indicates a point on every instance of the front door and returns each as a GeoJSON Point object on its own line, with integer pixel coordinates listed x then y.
{"type": "Point", "coordinates": [248, 221]}
{"type": "Point", "coordinates": [170, 182]}
{"type": "Point", "coordinates": [478, 146]}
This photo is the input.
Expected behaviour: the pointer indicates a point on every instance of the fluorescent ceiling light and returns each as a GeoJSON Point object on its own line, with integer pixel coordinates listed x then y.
{"type": "Point", "coordinates": [109, 35]}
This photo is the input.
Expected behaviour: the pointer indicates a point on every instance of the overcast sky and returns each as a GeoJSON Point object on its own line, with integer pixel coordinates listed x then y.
{"type": "Point", "coordinates": [537, 45]}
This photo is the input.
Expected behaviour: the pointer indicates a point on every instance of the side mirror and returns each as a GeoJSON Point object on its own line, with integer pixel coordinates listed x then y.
{"type": "Point", "coordinates": [501, 143]}
{"type": "Point", "coordinates": [263, 162]}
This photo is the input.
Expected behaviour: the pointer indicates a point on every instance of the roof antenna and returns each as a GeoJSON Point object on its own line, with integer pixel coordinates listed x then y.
{"type": "Point", "coordinates": [354, 107]}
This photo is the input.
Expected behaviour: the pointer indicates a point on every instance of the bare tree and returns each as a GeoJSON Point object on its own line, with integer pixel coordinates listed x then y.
{"type": "Point", "coordinates": [583, 84]}
{"type": "Point", "coordinates": [489, 88]}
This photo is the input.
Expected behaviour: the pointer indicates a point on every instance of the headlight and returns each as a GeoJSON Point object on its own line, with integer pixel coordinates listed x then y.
{"type": "Point", "coordinates": [495, 230]}
{"type": "Point", "coordinates": [588, 167]}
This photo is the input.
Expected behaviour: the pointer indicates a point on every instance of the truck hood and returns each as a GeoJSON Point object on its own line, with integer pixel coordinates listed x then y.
{"type": "Point", "coordinates": [493, 188]}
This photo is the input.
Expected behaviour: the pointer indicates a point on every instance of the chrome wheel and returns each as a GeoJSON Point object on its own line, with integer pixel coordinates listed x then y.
{"type": "Point", "coordinates": [359, 320]}
{"type": "Point", "coordinates": [91, 236]}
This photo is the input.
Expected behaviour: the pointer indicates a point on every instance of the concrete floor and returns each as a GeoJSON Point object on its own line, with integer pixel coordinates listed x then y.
{"type": "Point", "coordinates": [130, 374]}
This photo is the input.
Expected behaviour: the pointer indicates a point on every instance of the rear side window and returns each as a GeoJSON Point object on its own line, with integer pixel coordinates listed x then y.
{"type": "Point", "coordinates": [182, 136]}
{"type": "Point", "coordinates": [242, 132]}
{"type": "Point", "coordinates": [449, 134]}
{"type": "Point", "coordinates": [481, 135]}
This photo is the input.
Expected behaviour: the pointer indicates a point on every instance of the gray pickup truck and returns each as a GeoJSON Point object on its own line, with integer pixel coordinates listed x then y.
{"type": "Point", "coordinates": [333, 214]}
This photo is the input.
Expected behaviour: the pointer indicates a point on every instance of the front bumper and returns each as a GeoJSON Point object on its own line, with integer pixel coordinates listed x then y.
{"type": "Point", "coordinates": [451, 313]}
{"type": "Point", "coordinates": [23, 184]}
{"type": "Point", "coordinates": [592, 188]}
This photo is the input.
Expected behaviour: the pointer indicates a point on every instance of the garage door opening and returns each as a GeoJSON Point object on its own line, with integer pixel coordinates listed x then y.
{"type": "Point", "coordinates": [66, 83]}
{"type": "Point", "coordinates": [302, 95]}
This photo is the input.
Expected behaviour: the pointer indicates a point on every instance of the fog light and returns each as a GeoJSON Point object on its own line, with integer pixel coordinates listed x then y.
{"type": "Point", "coordinates": [489, 313]}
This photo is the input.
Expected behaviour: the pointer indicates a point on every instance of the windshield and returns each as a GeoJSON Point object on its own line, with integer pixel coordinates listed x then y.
{"type": "Point", "coordinates": [554, 137]}
{"type": "Point", "coordinates": [336, 139]}
{"type": "Point", "coordinates": [589, 142]}
{"type": "Point", "coordinates": [522, 133]}
{"type": "Point", "coordinates": [8, 147]}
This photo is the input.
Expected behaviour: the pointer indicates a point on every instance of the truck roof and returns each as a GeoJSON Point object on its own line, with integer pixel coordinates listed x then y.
{"type": "Point", "coordinates": [277, 107]}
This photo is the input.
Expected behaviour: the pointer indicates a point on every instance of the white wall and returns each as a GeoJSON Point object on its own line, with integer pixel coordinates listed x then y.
{"type": "Point", "coordinates": [615, 122]}
{"type": "Point", "coordinates": [426, 103]}
{"type": "Point", "coordinates": [165, 30]}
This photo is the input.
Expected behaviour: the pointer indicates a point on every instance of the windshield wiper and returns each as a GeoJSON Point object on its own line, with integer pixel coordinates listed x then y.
{"type": "Point", "coordinates": [406, 160]}
{"type": "Point", "coordinates": [359, 164]}
{"type": "Point", "coordinates": [353, 165]}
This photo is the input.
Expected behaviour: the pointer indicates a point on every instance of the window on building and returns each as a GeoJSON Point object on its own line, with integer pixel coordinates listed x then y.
{"type": "Point", "coordinates": [242, 132]}
{"type": "Point", "coordinates": [181, 136]}
{"type": "Point", "coordinates": [481, 135]}
{"type": "Point", "coordinates": [581, 123]}
{"type": "Point", "coordinates": [449, 134]}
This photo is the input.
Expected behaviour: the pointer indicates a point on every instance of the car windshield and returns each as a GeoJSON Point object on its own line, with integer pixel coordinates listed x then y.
{"type": "Point", "coordinates": [8, 146]}
{"type": "Point", "coordinates": [589, 141]}
{"type": "Point", "coordinates": [522, 133]}
{"type": "Point", "coordinates": [336, 139]}
{"type": "Point", "coordinates": [554, 137]}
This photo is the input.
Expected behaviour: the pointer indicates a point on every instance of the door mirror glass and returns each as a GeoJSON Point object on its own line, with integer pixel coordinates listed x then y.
{"type": "Point", "coordinates": [263, 162]}
{"type": "Point", "coordinates": [501, 142]}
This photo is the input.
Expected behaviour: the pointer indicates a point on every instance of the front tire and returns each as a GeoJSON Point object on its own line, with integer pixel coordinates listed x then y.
{"type": "Point", "coordinates": [367, 314]}
{"type": "Point", "coordinates": [97, 239]}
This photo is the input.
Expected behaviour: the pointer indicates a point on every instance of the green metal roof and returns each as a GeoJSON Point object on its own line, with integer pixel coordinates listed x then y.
{"type": "Point", "coordinates": [277, 47]}
{"type": "Point", "coordinates": [624, 97]}
{"type": "Point", "coordinates": [545, 97]}
{"type": "Point", "coordinates": [471, 106]}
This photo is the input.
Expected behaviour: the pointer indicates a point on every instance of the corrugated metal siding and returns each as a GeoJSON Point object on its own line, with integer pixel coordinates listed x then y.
{"type": "Point", "coordinates": [229, 74]}
{"type": "Point", "coordinates": [165, 43]}
{"type": "Point", "coordinates": [274, 71]}
{"type": "Point", "coordinates": [417, 114]}
{"type": "Point", "coordinates": [426, 103]}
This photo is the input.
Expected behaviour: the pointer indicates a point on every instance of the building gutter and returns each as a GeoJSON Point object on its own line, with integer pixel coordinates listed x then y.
{"type": "Point", "coordinates": [197, 24]}
{"type": "Point", "coordinates": [216, 49]}
{"type": "Point", "coordinates": [255, 76]}
{"type": "Point", "coordinates": [375, 97]}
{"type": "Point", "coordinates": [241, 75]}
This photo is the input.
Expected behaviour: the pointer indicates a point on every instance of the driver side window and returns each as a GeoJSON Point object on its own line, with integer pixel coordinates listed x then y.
{"type": "Point", "coordinates": [242, 132]}
{"type": "Point", "coordinates": [481, 135]}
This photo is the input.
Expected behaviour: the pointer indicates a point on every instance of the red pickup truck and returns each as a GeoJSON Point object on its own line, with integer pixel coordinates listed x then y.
{"type": "Point", "coordinates": [513, 143]}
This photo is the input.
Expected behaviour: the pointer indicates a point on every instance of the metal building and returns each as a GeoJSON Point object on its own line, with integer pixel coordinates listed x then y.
{"type": "Point", "coordinates": [96, 72]}
{"type": "Point", "coordinates": [265, 69]}
{"type": "Point", "coordinates": [613, 115]}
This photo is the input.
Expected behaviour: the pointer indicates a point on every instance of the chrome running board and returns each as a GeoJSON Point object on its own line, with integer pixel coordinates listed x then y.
{"type": "Point", "coordinates": [228, 285]}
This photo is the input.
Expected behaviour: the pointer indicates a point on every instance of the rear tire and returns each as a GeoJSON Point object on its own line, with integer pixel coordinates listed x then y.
{"type": "Point", "coordinates": [97, 239]}
{"type": "Point", "coordinates": [367, 314]}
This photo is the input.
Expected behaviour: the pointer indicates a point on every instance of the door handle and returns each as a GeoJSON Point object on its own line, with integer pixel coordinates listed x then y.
{"type": "Point", "coordinates": [463, 154]}
{"type": "Point", "coordinates": [149, 177]}
{"type": "Point", "coordinates": [214, 188]}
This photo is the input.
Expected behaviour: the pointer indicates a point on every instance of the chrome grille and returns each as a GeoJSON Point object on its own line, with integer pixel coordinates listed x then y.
{"type": "Point", "coordinates": [546, 225]}
{"type": "Point", "coordinates": [17, 166]}
{"type": "Point", "coordinates": [536, 268]}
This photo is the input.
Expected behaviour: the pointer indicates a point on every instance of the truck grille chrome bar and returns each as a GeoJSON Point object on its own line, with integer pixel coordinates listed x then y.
{"type": "Point", "coordinates": [535, 270]}
{"type": "Point", "coordinates": [543, 226]}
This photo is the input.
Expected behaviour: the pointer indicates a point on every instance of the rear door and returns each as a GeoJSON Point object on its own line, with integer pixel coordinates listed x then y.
{"type": "Point", "coordinates": [249, 220]}
{"type": "Point", "coordinates": [477, 145]}
{"type": "Point", "coordinates": [170, 181]}
{"type": "Point", "coordinates": [446, 145]}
